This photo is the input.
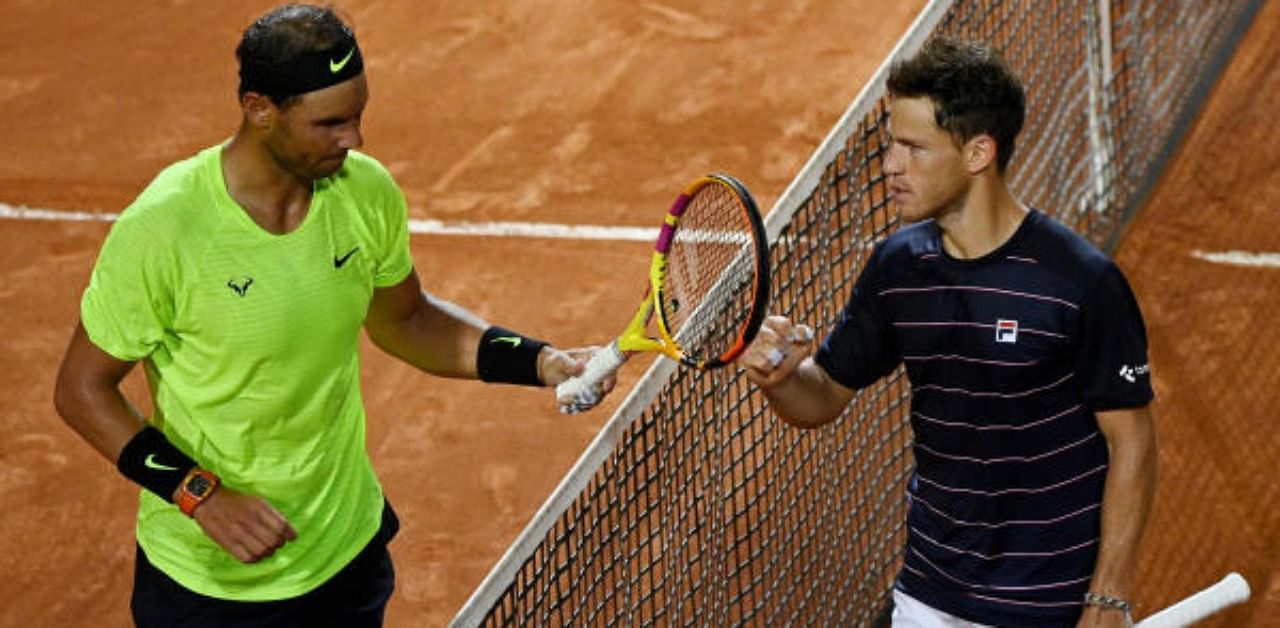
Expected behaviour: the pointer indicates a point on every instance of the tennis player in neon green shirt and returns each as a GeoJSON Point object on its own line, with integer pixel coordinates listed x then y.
{"type": "Point", "coordinates": [241, 278]}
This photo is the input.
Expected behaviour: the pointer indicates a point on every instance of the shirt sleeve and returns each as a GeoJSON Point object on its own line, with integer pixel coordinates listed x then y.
{"type": "Point", "coordinates": [1111, 362]}
{"type": "Point", "coordinates": [396, 262]}
{"type": "Point", "coordinates": [861, 347]}
{"type": "Point", "coordinates": [129, 303]}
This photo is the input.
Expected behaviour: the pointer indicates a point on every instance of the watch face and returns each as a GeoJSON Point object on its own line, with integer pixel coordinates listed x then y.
{"type": "Point", "coordinates": [198, 486]}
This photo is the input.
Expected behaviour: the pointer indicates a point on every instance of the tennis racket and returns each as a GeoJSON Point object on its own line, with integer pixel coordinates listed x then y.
{"type": "Point", "coordinates": [1231, 590]}
{"type": "Point", "coordinates": [708, 287]}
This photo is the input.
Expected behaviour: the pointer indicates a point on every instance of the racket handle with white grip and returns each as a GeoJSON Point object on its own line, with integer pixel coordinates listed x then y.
{"type": "Point", "coordinates": [581, 390]}
{"type": "Point", "coordinates": [1232, 589]}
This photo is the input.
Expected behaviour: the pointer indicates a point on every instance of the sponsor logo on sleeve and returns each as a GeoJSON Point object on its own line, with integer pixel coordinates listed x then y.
{"type": "Point", "coordinates": [1132, 373]}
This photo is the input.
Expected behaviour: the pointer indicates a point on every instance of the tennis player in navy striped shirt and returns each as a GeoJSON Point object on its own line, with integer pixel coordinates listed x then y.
{"type": "Point", "coordinates": [1026, 351]}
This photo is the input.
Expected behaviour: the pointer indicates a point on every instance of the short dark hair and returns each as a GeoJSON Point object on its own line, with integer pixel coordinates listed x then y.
{"type": "Point", "coordinates": [275, 41]}
{"type": "Point", "coordinates": [972, 89]}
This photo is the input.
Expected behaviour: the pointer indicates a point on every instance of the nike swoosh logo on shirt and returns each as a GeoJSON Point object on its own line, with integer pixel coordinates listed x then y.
{"type": "Point", "coordinates": [336, 66]}
{"type": "Point", "coordinates": [339, 261]}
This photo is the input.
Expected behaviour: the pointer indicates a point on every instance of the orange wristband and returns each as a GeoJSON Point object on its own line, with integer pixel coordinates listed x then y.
{"type": "Point", "coordinates": [195, 489]}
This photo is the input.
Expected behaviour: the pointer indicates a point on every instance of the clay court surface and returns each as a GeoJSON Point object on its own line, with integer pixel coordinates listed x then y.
{"type": "Point", "coordinates": [576, 113]}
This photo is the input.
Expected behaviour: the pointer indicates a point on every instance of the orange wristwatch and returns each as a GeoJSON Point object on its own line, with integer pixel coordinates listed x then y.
{"type": "Point", "coordinates": [195, 488]}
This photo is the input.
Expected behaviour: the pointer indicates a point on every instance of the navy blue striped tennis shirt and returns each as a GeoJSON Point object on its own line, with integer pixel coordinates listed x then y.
{"type": "Point", "coordinates": [1009, 357]}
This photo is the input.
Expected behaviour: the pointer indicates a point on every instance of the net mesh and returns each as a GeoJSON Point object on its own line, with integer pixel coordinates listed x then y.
{"type": "Point", "coordinates": [696, 505]}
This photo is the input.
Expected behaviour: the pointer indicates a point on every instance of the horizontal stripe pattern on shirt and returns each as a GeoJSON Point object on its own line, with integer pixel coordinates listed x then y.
{"type": "Point", "coordinates": [986, 426]}
{"type": "Point", "coordinates": [1012, 293]}
{"type": "Point", "coordinates": [1005, 500]}
{"type": "Point", "coordinates": [1007, 459]}
{"type": "Point", "coordinates": [956, 521]}
{"type": "Point", "coordinates": [969, 324]}
{"type": "Point", "coordinates": [977, 586]}
{"type": "Point", "coordinates": [1012, 490]}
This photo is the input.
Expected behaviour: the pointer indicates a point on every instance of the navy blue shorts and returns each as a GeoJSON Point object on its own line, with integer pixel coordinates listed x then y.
{"type": "Point", "coordinates": [355, 597]}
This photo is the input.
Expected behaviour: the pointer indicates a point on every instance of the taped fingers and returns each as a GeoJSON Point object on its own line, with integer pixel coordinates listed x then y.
{"type": "Point", "coordinates": [799, 335]}
{"type": "Point", "coordinates": [775, 356]}
{"type": "Point", "coordinates": [581, 402]}
{"type": "Point", "coordinates": [588, 398]}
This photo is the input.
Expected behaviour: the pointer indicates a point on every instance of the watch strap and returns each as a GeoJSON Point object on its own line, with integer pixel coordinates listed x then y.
{"type": "Point", "coordinates": [195, 488]}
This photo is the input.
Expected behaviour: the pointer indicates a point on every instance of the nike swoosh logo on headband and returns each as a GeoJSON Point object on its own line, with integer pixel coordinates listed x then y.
{"type": "Point", "coordinates": [336, 66]}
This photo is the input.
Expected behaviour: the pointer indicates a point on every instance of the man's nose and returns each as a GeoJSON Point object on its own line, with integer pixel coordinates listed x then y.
{"type": "Point", "coordinates": [351, 138]}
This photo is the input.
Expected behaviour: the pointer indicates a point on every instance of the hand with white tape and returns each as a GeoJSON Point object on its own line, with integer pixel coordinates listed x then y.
{"type": "Point", "coordinates": [778, 348]}
{"type": "Point", "coordinates": [595, 377]}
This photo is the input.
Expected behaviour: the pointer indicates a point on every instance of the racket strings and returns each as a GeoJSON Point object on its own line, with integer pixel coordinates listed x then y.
{"type": "Point", "coordinates": [710, 280]}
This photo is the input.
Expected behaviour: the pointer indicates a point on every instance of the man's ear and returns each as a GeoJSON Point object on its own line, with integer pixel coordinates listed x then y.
{"type": "Point", "coordinates": [980, 153]}
{"type": "Point", "coordinates": [259, 111]}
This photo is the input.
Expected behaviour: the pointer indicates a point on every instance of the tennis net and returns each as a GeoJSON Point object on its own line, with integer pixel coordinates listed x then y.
{"type": "Point", "coordinates": [694, 505]}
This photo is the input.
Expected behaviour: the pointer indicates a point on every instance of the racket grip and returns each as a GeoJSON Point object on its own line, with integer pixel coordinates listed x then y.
{"type": "Point", "coordinates": [577, 394]}
{"type": "Point", "coordinates": [1232, 589]}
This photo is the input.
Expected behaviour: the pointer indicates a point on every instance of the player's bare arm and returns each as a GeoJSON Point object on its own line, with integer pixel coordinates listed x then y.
{"type": "Point", "coordinates": [780, 362]}
{"type": "Point", "coordinates": [89, 399]}
{"type": "Point", "coordinates": [441, 338]}
{"type": "Point", "coordinates": [423, 330]}
{"type": "Point", "coordinates": [1126, 504]}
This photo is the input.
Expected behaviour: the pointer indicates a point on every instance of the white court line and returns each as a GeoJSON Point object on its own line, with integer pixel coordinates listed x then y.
{"type": "Point", "coordinates": [27, 213]}
{"type": "Point", "coordinates": [425, 227]}
{"type": "Point", "coordinates": [1240, 258]}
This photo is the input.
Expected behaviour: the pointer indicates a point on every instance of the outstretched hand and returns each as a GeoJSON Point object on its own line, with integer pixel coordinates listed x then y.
{"type": "Point", "coordinates": [779, 347]}
{"type": "Point", "coordinates": [556, 366]}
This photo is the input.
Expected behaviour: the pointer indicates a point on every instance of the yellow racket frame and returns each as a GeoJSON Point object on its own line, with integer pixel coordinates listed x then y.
{"type": "Point", "coordinates": [578, 393]}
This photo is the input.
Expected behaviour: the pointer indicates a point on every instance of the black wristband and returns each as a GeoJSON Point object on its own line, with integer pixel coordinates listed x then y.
{"type": "Point", "coordinates": [154, 463]}
{"type": "Point", "coordinates": [506, 357]}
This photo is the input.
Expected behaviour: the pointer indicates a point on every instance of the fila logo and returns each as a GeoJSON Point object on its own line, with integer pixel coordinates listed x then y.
{"type": "Point", "coordinates": [1006, 331]}
{"type": "Point", "coordinates": [1131, 373]}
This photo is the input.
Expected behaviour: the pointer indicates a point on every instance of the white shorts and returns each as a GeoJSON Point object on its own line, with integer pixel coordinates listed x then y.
{"type": "Point", "coordinates": [909, 612]}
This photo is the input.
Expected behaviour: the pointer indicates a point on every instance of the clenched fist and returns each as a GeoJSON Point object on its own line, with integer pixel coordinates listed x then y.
{"type": "Point", "coordinates": [778, 348]}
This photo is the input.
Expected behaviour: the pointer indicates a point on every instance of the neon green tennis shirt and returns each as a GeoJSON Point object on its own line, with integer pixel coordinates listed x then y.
{"type": "Point", "coordinates": [250, 345]}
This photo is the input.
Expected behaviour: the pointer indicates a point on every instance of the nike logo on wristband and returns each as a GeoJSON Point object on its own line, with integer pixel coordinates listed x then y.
{"type": "Point", "coordinates": [151, 463]}
{"type": "Point", "coordinates": [513, 340]}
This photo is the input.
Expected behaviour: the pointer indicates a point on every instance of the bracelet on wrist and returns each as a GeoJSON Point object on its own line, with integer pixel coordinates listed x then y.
{"type": "Point", "coordinates": [506, 357]}
{"type": "Point", "coordinates": [1106, 602]}
{"type": "Point", "coordinates": [151, 461]}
